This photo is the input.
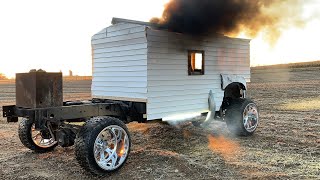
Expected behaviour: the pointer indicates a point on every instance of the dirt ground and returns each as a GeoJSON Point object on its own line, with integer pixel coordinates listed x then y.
{"type": "Point", "coordinates": [286, 144]}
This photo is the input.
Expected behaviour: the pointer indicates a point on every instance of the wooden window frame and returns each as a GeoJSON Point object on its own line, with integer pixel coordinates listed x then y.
{"type": "Point", "coordinates": [194, 72]}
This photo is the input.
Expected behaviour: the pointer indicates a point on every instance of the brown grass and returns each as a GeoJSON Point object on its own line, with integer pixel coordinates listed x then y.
{"type": "Point", "coordinates": [227, 148]}
{"type": "Point", "coordinates": [139, 127]}
{"type": "Point", "coordinates": [302, 105]}
{"type": "Point", "coordinates": [291, 65]}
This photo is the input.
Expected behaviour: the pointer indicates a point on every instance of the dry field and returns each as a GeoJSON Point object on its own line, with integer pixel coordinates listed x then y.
{"type": "Point", "coordinates": [286, 144]}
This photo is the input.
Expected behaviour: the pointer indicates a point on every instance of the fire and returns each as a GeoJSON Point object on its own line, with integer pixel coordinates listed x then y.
{"type": "Point", "coordinates": [121, 152]}
{"type": "Point", "coordinates": [227, 148]}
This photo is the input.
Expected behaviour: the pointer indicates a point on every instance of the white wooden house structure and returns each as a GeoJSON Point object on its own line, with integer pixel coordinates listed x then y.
{"type": "Point", "coordinates": [171, 72]}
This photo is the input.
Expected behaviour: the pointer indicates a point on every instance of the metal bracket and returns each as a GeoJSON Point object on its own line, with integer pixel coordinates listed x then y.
{"type": "Point", "coordinates": [8, 112]}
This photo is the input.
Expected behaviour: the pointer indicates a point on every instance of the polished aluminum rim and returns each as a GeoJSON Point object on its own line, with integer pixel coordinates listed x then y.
{"type": "Point", "coordinates": [111, 147]}
{"type": "Point", "coordinates": [39, 140]}
{"type": "Point", "coordinates": [250, 117]}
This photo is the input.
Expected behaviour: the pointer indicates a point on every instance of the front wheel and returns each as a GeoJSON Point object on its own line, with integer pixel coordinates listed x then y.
{"type": "Point", "coordinates": [242, 117]}
{"type": "Point", "coordinates": [36, 140]}
{"type": "Point", "coordinates": [102, 145]}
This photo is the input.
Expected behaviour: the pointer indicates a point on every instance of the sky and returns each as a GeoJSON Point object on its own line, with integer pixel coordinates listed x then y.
{"type": "Point", "coordinates": [56, 35]}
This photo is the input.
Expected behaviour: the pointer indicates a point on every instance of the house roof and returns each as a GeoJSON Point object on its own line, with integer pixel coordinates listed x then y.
{"type": "Point", "coordinates": [120, 20]}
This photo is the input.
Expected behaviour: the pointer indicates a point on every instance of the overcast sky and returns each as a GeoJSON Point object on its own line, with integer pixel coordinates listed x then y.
{"type": "Point", "coordinates": [55, 35]}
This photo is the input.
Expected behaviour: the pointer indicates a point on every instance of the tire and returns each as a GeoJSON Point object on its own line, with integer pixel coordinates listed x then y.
{"type": "Point", "coordinates": [102, 134]}
{"type": "Point", "coordinates": [29, 139]}
{"type": "Point", "coordinates": [242, 117]}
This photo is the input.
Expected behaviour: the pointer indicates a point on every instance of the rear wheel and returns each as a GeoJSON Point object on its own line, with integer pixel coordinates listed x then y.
{"type": "Point", "coordinates": [36, 140]}
{"type": "Point", "coordinates": [102, 145]}
{"type": "Point", "coordinates": [242, 117]}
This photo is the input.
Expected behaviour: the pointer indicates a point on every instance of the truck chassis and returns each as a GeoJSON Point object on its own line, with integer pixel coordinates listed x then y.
{"type": "Point", "coordinates": [96, 127]}
{"type": "Point", "coordinates": [98, 131]}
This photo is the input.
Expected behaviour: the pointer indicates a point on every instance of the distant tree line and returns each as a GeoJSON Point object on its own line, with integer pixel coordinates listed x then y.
{"type": "Point", "coordinates": [2, 76]}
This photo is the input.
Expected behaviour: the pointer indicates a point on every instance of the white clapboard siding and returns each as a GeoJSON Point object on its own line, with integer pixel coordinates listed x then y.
{"type": "Point", "coordinates": [113, 39]}
{"type": "Point", "coordinates": [120, 63]}
{"type": "Point", "coordinates": [120, 84]}
{"type": "Point", "coordinates": [171, 91]}
{"type": "Point", "coordinates": [103, 45]}
{"type": "Point", "coordinates": [119, 59]}
{"type": "Point", "coordinates": [117, 29]}
{"type": "Point", "coordinates": [136, 63]}
{"type": "Point", "coordinates": [120, 74]}
{"type": "Point", "coordinates": [121, 53]}
{"type": "Point", "coordinates": [124, 47]}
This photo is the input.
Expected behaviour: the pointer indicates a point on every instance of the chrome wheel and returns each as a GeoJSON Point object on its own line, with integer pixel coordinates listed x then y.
{"type": "Point", "coordinates": [250, 117]}
{"type": "Point", "coordinates": [111, 147]}
{"type": "Point", "coordinates": [43, 139]}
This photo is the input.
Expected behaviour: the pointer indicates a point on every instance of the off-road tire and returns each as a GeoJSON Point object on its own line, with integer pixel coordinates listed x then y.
{"type": "Point", "coordinates": [85, 139]}
{"type": "Point", "coordinates": [234, 117]}
{"type": "Point", "coordinates": [25, 137]}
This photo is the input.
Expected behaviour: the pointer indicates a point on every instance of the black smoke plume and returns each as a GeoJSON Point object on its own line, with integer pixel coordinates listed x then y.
{"type": "Point", "coordinates": [231, 17]}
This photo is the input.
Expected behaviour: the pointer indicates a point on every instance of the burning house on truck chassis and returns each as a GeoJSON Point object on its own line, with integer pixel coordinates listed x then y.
{"type": "Point", "coordinates": [141, 72]}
